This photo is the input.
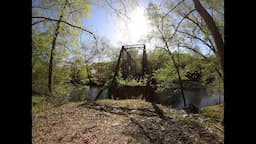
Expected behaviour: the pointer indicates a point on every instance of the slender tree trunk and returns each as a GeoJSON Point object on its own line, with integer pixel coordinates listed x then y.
{"type": "Point", "coordinates": [180, 81]}
{"type": "Point", "coordinates": [214, 30]}
{"type": "Point", "coordinates": [99, 93]}
{"type": "Point", "coordinates": [88, 73]}
{"type": "Point", "coordinates": [50, 72]}
{"type": "Point", "coordinates": [33, 64]}
{"type": "Point", "coordinates": [88, 76]}
{"type": "Point", "coordinates": [219, 93]}
{"type": "Point", "coordinates": [178, 72]}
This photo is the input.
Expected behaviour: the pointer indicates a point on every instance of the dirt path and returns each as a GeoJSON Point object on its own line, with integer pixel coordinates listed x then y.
{"type": "Point", "coordinates": [121, 122]}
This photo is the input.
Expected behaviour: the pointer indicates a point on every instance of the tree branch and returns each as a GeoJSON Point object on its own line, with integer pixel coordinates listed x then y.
{"type": "Point", "coordinates": [75, 10]}
{"type": "Point", "coordinates": [193, 36]}
{"type": "Point", "coordinates": [203, 56]}
{"type": "Point", "coordinates": [78, 27]}
{"type": "Point", "coordinates": [68, 62]}
{"type": "Point", "coordinates": [37, 22]}
{"type": "Point", "coordinates": [199, 26]}
{"type": "Point", "coordinates": [196, 23]}
{"type": "Point", "coordinates": [125, 11]}
{"type": "Point", "coordinates": [177, 27]}
{"type": "Point", "coordinates": [173, 8]}
{"type": "Point", "coordinates": [194, 50]}
{"type": "Point", "coordinates": [117, 12]}
{"type": "Point", "coordinates": [67, 48]}
{"type": "Point", "coordinates": [50, 6]}
{"type": "Point", "coordinates": [211, 25]}
{"type": "Point", "coordinates": [39, 7]}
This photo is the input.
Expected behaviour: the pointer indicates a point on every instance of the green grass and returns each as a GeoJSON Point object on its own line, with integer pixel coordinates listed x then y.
{"type": "Point", "coordinates": [39, 104]}
{"type": "Point", "coordinates": [130, 139]}
{"type": "Point", "coordinates": [37, 99]}
{"type": "Point", "coordinates": [132, 103]}
{"type": "Point", "coordinates": [215, 113]}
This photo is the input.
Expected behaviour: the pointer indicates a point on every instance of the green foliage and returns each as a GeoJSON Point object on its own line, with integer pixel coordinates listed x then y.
{"type": "Point", "coordinates": [78, 72]}
{"type": "Point", "coordinates": [61, 93]}
{"type": "Point", "coordinates": [78, 93]}
{"type": "Point", "coordinates": [171, 96]}
{"type": "Point", "coordinates": [157, 59]}
{"type": "Point", "coordinates": [68, 41]}
{"type": "Point", "coordinates": [39, 78]}
{"type": "Point", "coordinates": [74, 68]}
{"type": "Point", "coordinates": [102, 72]}
{"type": "Point", "coordinates": [39, 104]}
{"type": "Point", "coordinates": [132, 82]}
{"type": "Point", "coordinates": [66, 91]}
{"type": "Point", "coordinates": [37, 99]}
{"type": "Point", "coordinates": [166, 76]}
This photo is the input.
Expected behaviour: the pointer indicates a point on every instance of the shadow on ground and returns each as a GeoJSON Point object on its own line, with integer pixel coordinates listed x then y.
{"type": "Point", "coordinates": [150, 125]}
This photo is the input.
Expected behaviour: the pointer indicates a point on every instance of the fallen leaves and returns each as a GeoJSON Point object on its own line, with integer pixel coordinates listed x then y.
{"type": "Point", "coordinates": [109, 122]}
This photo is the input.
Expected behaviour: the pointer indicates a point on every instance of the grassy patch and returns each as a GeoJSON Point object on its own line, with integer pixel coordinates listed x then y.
{"type": "Point", "coordinates": [215, 113]}
{"type": "Point", "coordinates": [130, 139]}
{"type": "Point", "coordinates": [124, 103]}
{"type": "Point", "coordinates": [39, 104]}
{"type": "Point", "coordinates": [37, 99]}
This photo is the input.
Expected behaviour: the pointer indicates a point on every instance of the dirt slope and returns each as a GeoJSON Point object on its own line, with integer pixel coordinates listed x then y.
{"type": "Point", "coordinates": [122, 122]}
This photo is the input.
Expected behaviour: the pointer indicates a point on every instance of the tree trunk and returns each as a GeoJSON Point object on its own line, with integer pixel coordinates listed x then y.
{"type": "Point", "coordinates": [99, 93]}
{"type": "Point", "coordinates": [50, 72]}
{"type": "Point", "coordinates": [219, 93]}
{"type": "Point", "coordinates": [178, 72]}
{"type": "Point", "coordinates": [215, 33]}
{"type": "Point", "coordinates": [214, 30]}
{"type": "Point", "coordinates": [88, 73]}
{"type": "Point", "coordinates": [180, 81]}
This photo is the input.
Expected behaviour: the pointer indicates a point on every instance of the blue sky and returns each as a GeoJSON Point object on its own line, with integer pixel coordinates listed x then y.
{"type": "Point", "coordinates": [102, 23]}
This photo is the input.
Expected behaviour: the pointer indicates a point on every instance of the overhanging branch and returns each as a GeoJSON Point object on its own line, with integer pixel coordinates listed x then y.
{"type": "Point", "coordinates": [193, 36]}
{"type": "Point", "coordinates": [78, 27]}
{"type": "Point", "coordinates": [173, 8]}
{"type": "Point", "coordinates": [194, 50]}
{"type": "Point", "coordinates": [199, 26]}
{"type": "Point", "coordinates": [37, 22]}
{"type": "Point", "coordinates": [203, 56]}
{"type": "Point", "coordinates": [177, 27]}
{"type": "Point", "coordinates": [118, 13]}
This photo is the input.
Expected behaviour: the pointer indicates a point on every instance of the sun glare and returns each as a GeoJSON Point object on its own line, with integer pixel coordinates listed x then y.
{"type": "Point", "coordinates": [134, 29]}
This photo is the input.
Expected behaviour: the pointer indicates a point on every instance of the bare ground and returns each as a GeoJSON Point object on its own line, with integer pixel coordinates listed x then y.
{"type": "Point", "coordinates": [122, 122]}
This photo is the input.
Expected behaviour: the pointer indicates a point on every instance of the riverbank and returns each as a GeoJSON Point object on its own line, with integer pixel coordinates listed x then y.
{"type": "Point", "coordinates": [121, 122]}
